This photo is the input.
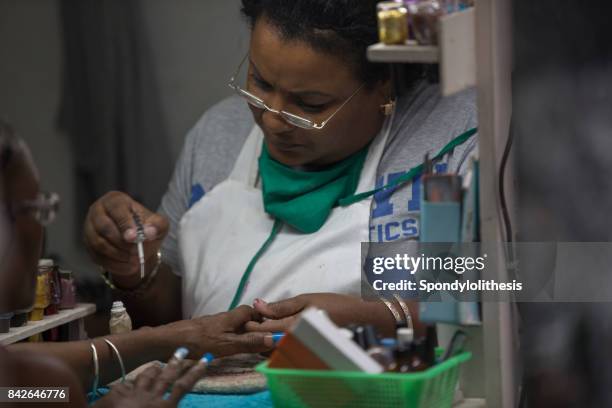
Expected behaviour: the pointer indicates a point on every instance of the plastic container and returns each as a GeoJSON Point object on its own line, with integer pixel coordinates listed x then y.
{"type": "Point", "coordinates": [20, 318]}
{"type": "Point", "coordinates": [5, 322]}
{"type": "Point", "coordinates": [432, 388]}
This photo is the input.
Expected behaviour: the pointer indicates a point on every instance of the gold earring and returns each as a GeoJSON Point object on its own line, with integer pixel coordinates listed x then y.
{"type": "Point", "coordinates": [387, 108]}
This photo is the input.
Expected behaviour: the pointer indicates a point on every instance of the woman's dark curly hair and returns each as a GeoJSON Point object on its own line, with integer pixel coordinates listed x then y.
{"type": "Point", "coordinates": [343, 28]}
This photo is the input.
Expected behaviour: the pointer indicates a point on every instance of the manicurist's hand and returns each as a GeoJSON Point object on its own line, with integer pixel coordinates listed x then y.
{"type": "Point", "coordinates": [110, 233]}
{"type": "Point", "coordinates": [342, 309]}
{"type": "Point", "coordinates": [221, 334]}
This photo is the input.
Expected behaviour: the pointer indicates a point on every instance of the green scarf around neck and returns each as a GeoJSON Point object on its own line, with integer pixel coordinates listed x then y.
{"type": "Point", "coordinates": [304, 199]}
{"type": "Point", "coordinates": [294, 196]}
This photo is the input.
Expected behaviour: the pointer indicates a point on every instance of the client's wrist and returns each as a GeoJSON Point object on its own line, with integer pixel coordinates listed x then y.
{"type": "Point", "coordinates": [161, 341]}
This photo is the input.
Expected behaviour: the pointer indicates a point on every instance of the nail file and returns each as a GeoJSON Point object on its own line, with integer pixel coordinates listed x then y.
{"type": "Point", "coordinates": [140, 238]}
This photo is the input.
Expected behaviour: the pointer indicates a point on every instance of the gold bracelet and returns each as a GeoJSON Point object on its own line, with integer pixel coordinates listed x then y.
{"type": "Point", "coordinates": [141, 287]}
{"type": "Point", "coordinates": [106, 278]}
{"type": "Point", "coordinates": [396, 315]}
{"type": "Point", "coordinates": [406, 310]}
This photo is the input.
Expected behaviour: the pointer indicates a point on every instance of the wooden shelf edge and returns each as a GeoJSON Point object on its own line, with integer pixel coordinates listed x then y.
{"type": "Point", "coordinates": [421, 54]}
{"type": "Point", "coordinates": [64, 316]}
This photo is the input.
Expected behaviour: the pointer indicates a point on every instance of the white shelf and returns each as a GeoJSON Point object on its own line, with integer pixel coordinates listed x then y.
{"type": "Point", "coordinates": [422, 54]}
{"type": "Point", "coordinates": [31, 328]}
{"type": "Point", "coordinates": [455, 54]}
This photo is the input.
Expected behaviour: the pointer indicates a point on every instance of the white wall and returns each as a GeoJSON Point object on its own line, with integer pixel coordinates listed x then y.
{"type": "Point", "coordinates": [196, 45]}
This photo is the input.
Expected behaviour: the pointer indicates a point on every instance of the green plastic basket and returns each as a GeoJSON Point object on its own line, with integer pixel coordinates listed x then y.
{"type": "Point", "coordinates": [432, 388]}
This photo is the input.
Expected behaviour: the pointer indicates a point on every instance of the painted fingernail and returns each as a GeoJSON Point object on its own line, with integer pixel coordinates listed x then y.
{"type": "Point", "coordinates": [150, 231]}
{"type": "Point", "coordinates": [207, 358]}
{"type": "Point", "coordinates": [181, 353]}
{"type": "Point", "coordinates": [271, 340]}
{"type": "Point", "coordinates": [276, 337]}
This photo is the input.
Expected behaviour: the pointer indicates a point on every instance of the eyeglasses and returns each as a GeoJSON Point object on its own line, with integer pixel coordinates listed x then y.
{"type": "Point", "coordinates": [44, 208]}
{"type": "Point", "coordinates": [290, 118]}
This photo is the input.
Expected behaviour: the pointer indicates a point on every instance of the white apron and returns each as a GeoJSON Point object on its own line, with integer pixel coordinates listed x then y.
{"type": "Point", "coordinates": [220, 234]}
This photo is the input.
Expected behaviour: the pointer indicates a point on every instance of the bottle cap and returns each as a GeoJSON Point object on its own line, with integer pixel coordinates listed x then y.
{"type": "Point", "coordinates": [118, 307]}
{"type": "Point", "coordinates": [405, 335]}
{"type": "Point", "coordinates": [346, 333]}
{"type": "Point", "coordinates": [360, 337]}
{"type": "Point", "coordinates": [45, 263]}
{"type": "Point", "coordinates": [65, 273]}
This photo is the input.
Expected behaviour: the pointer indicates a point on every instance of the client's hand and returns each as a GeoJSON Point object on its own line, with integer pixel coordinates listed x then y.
{"type": "Point", "coordinates": [342, 309]}
{"type": "Point", "coordinates": [178, 378]}
{"type": "Point", "coordinates": [221, 334]}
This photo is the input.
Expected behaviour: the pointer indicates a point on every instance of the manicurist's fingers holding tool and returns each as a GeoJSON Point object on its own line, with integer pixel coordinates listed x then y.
{"type": "Point", "coordinates": [124, 237]}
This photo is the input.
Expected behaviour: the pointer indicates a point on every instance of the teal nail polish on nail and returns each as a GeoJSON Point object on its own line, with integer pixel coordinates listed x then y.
{"type": "Point", "coordinates": [207, 358]}
{"type": "Point", "coordinates": [181, 353]}
{"type": "Point", "coordinates": [276, 337]}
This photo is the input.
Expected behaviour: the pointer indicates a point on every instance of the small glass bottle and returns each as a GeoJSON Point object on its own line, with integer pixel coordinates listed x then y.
{"type": "Point", "coordinates": [417, 356]}
{"type": "Point", "coordinates": [430, 344]}
{"type": "Point", "coordinates": [405, 336]}
{"type": "Point", "coordinates": [403, 352]}
{"type": "Point", "coordinates": [424, 17]}
{"type": "Point", "coordinates": [68, 298]}
{"type": "Point", "coordinates": [120, 321]}
{"type": "Point", "coordinates": [392, 22]}
{"type": "Point", "coordinates": [55, 291]}
{"type": "Point", "coordinates": [43, 292]}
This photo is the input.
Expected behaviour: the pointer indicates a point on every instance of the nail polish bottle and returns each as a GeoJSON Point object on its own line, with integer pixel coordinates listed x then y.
{"type": "Point", "coordinates": [68, 292]}
{"type": "Point", "coordinates": [120, 321]}
{"type": "Point", "coordinates": [55, 291]}
{"type": "Point", "coordinates": [43, 294]}
{"type": "Point", "coordinates": [404, 350]}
